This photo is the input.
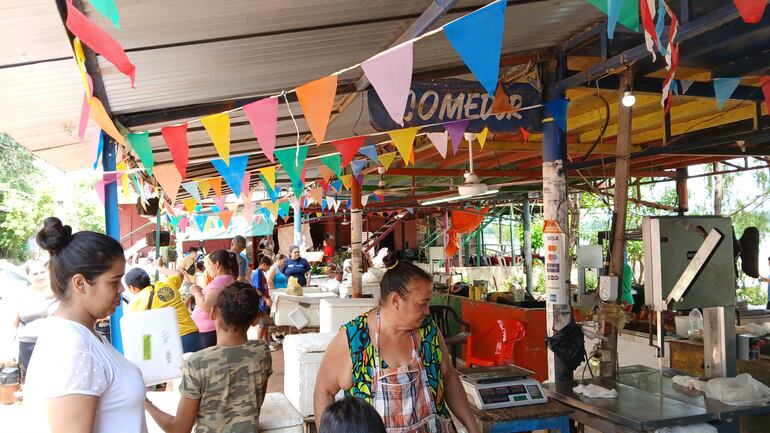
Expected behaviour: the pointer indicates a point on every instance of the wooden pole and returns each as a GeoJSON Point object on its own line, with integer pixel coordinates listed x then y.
{"type": "Point", "coordinates": [609, 348]}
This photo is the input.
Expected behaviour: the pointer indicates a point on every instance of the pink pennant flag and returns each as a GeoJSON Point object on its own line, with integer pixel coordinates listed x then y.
{"type": "Point", "coordinates": [183, 223]}
{"type": "Point", "coordinates": [219, 201]}
{"type": "Point", "coordinates": [99, 186]}
{"type": "Point", "coordinates": [245, 190]}
{"type": "Point", "coordinates": [263, 118]}
{"type": "Point", "coordinates": [176, 140]}
{"type": "Point", "coordinates": [248, 213]}
{"type": "Point", "coordinates": [390, 73]}
{"type": "Point", "coordinates": [439, 139]}
{"type": "Point", "coordinates": [99, 41]}
{"type": "Point", "coordinates": [85, 109]}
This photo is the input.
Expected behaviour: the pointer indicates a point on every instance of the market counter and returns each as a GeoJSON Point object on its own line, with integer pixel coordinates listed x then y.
{"type": "Point", "coordinates": [530, 353]}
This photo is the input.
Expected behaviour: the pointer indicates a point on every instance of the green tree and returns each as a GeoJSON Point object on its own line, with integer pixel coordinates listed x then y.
{"type": "Point", "coordinates": [85, 211]}
{"type": "Point", "coordinates": [17, 167]}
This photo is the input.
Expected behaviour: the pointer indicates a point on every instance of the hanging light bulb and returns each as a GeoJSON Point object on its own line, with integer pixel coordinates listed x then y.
{"type": "Point", "coordinates": [628, 97]}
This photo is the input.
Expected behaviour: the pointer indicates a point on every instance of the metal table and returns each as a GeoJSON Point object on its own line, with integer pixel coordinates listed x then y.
{"type": "Point", "coordinates": [646, 401]}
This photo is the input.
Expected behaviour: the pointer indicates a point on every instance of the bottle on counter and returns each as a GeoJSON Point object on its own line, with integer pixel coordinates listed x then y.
{"type": "Point", "coordinates": [9, 384]}
{"type": "Point", "coordinates": [696, 323]}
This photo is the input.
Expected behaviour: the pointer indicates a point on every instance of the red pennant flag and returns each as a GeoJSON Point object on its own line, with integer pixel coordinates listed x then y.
{"type": "Point", "coordinates": [176, 140]}
{"type": "Point", "coordinates": [648, 10]}
{"type": "Point", "coordinates": [225, 216]}
{"type": "Point", "coordinates": [765, 83]}
{"type": "Point", "coordinates": [524, 134]}
{"type": "Point", "coordinates": [348, 147]}
{"type": "Point", "coordinates": [751, 10]}
{"type": "Point", "coordinates": [99, 41]}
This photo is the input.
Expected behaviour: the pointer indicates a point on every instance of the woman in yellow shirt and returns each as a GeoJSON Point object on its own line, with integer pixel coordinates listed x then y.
{"type": "Point", "coordinates": [164, 294]}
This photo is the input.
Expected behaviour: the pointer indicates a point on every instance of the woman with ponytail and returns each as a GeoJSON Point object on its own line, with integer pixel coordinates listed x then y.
{"type": "Point", "coordinates": [81, 382]}
{"type": "Point", "coordinates": [222, 266]}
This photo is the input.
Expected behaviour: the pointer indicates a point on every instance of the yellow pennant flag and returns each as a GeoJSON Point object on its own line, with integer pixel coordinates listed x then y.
{"type": "Point", "coordinates": [318, 214]}
{"type": "Point", "coordinates": [189, 205]}
{"type": "Point", "coordinates": [482, 137]}
{"type": "Point", "coordinates": [100, 116]}
{"type": "Point", "coordinates": [121, 166]}
{"type": "Point", "coordinates": [272, 207]}
{"type": "Point", "coordinates": [80, 59]}
{"type": "Point", "coordinates": [403, 139]}
{"type": "Point", "coordinates": [269, 174]}
{"type": "Point", "coordinates": [216, 185]}
{"type": "Point", "coordinates": [218, 127]}
{"type": "Point", "coordinates": [347, 180]}
{"type": "Point", "coordinates": [233, 207]}
{"type": "Point", "coordinates": [205, 187]}
{"type": "Point", "coordinates": [386, 159]}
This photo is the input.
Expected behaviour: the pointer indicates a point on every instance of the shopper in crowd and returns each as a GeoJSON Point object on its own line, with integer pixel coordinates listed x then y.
{"type": "Point", "coordinates": [188, 268]}
{"type": "Point", "coordinates": [222, 266]}
{"type": "Point", "coordinates": [163, 294]}
{"type": "Point", "coordinates": [276, 279]}
{"type": "Point", "coordinates": [259, 281]}
{"type": "Point", "coordinates": [223, 387]}
{"type": "Point", "coordinates": [351, 415]}
{"type": "Point", "coordinates": [328, 251]}
{"type": "Point", "coordinates": [238, 246]}
{"type": "Point", "coordinates": [77, 380]}
{"type": "Point", "coordinates": [296, 266]}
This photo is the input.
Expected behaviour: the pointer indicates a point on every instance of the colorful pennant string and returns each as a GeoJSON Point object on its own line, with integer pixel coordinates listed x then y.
{"type": "Point", "coordinates": [218, 127]}
{"type": "Point", "coordinates": [108, 9]}
{"type": "Point", "coordinates": [333, 161]}
{"type": "Point", "coordinates": [456, 131]}
{"type": "Point", "coordinates": [232, 173]}
{"type": "Point", "coordinates": [176, 140]}
{"type": "Point", "coordinates": [348, 148]}
{"type": "Point", "coordinates": [263, 118]}
{"type": "Point", "coordinates": [370, 152]}
{"type": "Point", "coordinates": [386, 159]}
{"type": "Point", "coordinates": [216, 185]}
{"type": "Point", "coordinates": [317, 99]}
{"type": "Point", "coordinates": [391, 76]}
{"type": "Point", "coordinates": [723, 89]}
{"type": "Point", "coordinates": [403, 139]}
{"type": "Point", "coordinates": [141, 144]}
{"type": "Point", "coordinates": [169, 179]}
{"type": "Point", "coordinates": [192, 189]}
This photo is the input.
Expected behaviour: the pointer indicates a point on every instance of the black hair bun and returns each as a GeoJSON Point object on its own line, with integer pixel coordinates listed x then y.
{"type": "Point", "coordinates": [54, 236]}
{"type": "Point", "coordinates": [390, 259]}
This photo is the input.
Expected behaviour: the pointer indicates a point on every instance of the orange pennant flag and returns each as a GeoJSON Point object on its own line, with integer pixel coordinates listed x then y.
{"type": "Point", "coordinates": [403, 139]}
{"type": "Point", "coordinates": [189, 205]}
{"type": "Point", "coordinates": [225, 216]}
{"type": "Point", "coordinates": [501, 103]}
{"type": "Point", "coordinates": [482, 137]}
{"type": "Point", "coordinates": [386, 159]}
{"type": "Point", "coordinates": [100, 116]}
{"type": "Point", "coordinates": [317, 100]}
{"type": "Point", "coordinates": [216, 185]}
{"type": "Point", "coordinates": [218, 127]}
{"type": "Point", "coordinates": [316, 195]}
{"type": "Point", "coordinates": [326, 172]}
{"type": "Point", "coordinates": [205, 187]}
{"type": "Point", "coordinates": [346, 180]}
{"type": "Point", "coordinates": [169, 179]}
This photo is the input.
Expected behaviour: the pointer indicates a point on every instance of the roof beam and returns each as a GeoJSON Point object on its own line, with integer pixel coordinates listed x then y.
{"type": "Point", "coordinates": [699, 89]}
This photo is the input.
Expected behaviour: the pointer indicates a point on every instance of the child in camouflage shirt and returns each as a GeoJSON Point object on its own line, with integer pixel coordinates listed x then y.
{"type": "Point", "coordinates": [223, 386]}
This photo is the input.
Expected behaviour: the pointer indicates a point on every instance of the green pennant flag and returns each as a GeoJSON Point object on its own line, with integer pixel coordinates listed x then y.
{"type": "Point", "coordinates": [292, 161]}
{"type": "Point", "coordinates": [141, 144]}
{"type": "Point", "coordinates": [629, 12]}
{"type": "Point", "coordinates": [334, 162]}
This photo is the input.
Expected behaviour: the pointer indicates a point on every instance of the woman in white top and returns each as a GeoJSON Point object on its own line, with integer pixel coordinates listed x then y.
{"type": "Point", "coordinates": [82, 383]}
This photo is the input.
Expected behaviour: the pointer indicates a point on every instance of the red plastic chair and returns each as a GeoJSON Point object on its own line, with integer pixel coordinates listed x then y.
{"type": "Point", "coordinates": [510, 331]}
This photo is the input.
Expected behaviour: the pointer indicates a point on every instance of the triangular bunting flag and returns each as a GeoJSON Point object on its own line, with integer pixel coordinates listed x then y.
{"type": "Point", "coordinates": [558, 111]}
{"type": "Point", "coordinates": [218, 127]}
{"type": "Point", "coordinates": [478, 39]}
{"type": "Point", "coordinates": [331, 202]}
{"type": "Point", "coordinates": [390, 73]}
{"type": "Point", "coordinates": [481, 137]}
{"type": "Point", "coordinates": [268, 173]}
{"type": "Point", "coordinates": [266, 213]}
{"type": "Point", "coordinates": [370, 152]}
{"type": "Point", "coordinates": [379, 198]}
{"type": "Point", "coordinates": [225, 217]}
{"type": "Point", "coordinates": [613, 15]}
{"type": "Point", "coordinates": [386, 159]}
{"type": "Point", "coordinates": [169, 179]}
{"type": "Point", "coordinates": [248, 214]}
{"type": "Point", "coordinates": [200, 221]}
{"type": "Point", "coordinates": [524, 135]}
{"type": "Point", "coordinates": [685, 85]}
{"type": "Point", "coordinates": [141, 144]}
{"type": "Point", "coordinates": [183, 223]}
{"type": "Point", "coordinates": [234, 172]}
{"type": "Point", "coordinates": [326, 173]}
{"type": "Point", "coordinates": [648, 11]}
{"type": "Point", "coordinates": [751, 10]}
{"type": "Point", "coordinates": [263, 118]}
{"type": "Point", "coordinates": [334, 162]}
{"type": "Point", "coordinates": [724, 88]}
{"type": "Point", "coordinates": [99, 146]}
{"type": "Point", "coordinates": [216, 185]}
{"type": "Point", "coordinates": [192, 189]}
{"type": "Point", "coordinates": [439, 140]}
{"type": "Point", "coordinates": [764, 82]}
{"type": "Point", "coordinates": [316, 195]}
{"type": "Point", "coordinates": [271, 207]}
{"type": "Point", "coordinates": [205, 187]}
{"type": "Point", "coordinates": [410, 210]}
{"type": "Point", "coordinates": [502, 102]}
{"type": "Point", "coordinates": [108, 9]}
{"type": "Point", "coordinates": [100, 116]}
{"type": "Point", "coordinates": [246, 186]}
{"type": "Point", "coordinates": [337, 185]}
{"type": "Point", "coordinates": [456, 131]}
{"type": "Point", "coordinates": [357, 166]}
{"type": "Point", "coordinates": [348, 147]}
{"type": "Point", "coordinates": [176, 140]}
{"type": "Point", "coordinates": [629, 12]}
{"type": "Point", "coordinates": [220, 203]}
{"type": "Point", "coordinates": [346, 180]}
{"type": "Point", "coordinates": [233, 207]}
{"type": "Point", "coordinates": [365, 200]}
{"type": "Point", "coordinates": [189, 205]}
{"type": "Point", "coordinates": [317, 100]}
{"type": "Point", "coordinates": [292, 160]}
{"type": "Point", "coordinates": [403, 139]}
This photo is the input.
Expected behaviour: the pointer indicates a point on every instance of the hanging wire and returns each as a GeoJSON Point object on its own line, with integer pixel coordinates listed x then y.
{"type": "Point", "coordinates": [296, 127]}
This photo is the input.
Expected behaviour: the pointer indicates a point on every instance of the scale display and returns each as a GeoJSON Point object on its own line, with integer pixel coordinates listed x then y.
{"type": "Point", "coordinates": [500, 387]}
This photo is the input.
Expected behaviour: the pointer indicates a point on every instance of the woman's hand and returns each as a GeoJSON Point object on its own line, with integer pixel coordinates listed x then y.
{"type": "Point", "coordinates": [455, 393]}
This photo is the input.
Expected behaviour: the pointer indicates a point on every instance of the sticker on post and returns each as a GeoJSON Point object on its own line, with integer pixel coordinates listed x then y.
{"type": "Point", "coordinates": [554, 242]}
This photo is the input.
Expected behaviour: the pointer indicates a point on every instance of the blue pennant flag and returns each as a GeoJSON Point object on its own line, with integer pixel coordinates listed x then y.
{"type": "Point", "coordinates": [478, 39]}
{"type": "Point", "coordinates": [99, 149]}
{"type": "Point", "coordinates": [347, 203]}
{"type": "Point", "coordinates": [265, 212]}
{"type": "Point", "coordinates": [558, 110]}
{"type": "Point", "coordinates": [659, 27]}
{"type": "Point", "coordinates": [323, 204]}
{"type": "Point", "coordinates": [370, 152]}
{"type": "Point", "coordinates": [337, 185]}
{"type": "Point", "coordinates": [675, 87]}
{"type": "Point", "coordinates": [283, 209]}
{"type": "Point", "coordinates": [613, 15]}
{"type": "Point", "coordinates": [215, 209]}
{"type": "Point", "coordinates": [219, 223]}
{"type": "Point", "coordinates": [357, 166]}
{"type": "Point", "coordinates": [197, 208]}
{"type": "Point", "coordinates": [233, 173]}
{"type": "Point", "coordinates": [296, 186]}
{"type": "Point", "coordinates": [200, 221]}
{"type": "Point", "coordinates": [724, 88]}
{"type": "Point", "coordinates": [377, 199]}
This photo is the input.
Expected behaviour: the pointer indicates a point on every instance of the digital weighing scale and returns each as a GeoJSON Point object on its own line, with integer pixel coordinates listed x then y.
{"type": "Point", "coordinates": [499, 387]}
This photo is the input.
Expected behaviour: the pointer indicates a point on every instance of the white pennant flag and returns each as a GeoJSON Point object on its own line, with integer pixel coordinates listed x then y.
{"type": "Point", "coordinates": [364, 200]}
{"type": "Point", "coordinates": [439, 139]}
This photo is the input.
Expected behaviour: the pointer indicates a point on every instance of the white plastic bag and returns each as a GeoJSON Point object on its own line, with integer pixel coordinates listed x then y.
{"type": "Point", "coordinates": [742, 390]}
{"type": "Point", "coordinates": [293, 287]}
{"type": "Point", "coordinates": [595, 391]}
{"type": "Point", "coordinates": [689, 382]}
{"type": "Point", "coordinates": [695, 428]}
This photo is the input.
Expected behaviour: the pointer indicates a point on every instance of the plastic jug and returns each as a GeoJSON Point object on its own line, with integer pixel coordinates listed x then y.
{"type": "Point", "coordinates": [696, 321]}
{"type": "Point", "coordinates": [9, 384]}
{"type": "Point", "coordinates": [151, 341]}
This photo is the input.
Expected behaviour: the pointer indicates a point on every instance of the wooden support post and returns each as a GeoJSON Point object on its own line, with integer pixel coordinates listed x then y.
{"type": "Point", "coordinates": [527, 244]}
{"type": "Point", "coordinates": [681, 190]}
{"type": "Point", "coordinates": [356, 227]}
{"type": "Point", "coordinates": [510, 227]}
{"type": "Point", "coordinates": [609, 346]}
